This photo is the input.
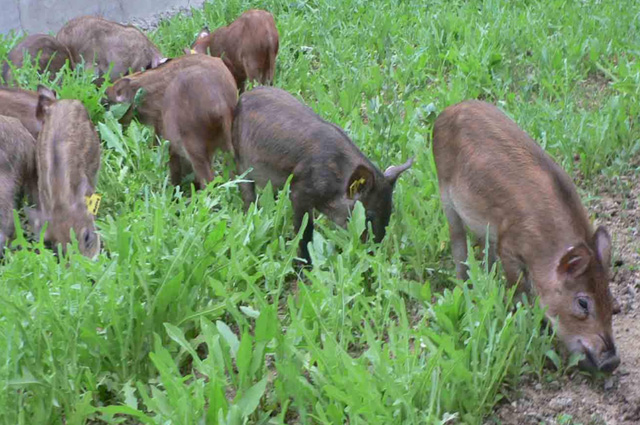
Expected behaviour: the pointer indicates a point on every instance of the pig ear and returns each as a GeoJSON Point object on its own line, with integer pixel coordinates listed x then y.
{"type": "Point", "coordinates": [157, 60]}
{"type": "Point", "coordinates": [575, 261]}
{"type": "Point", "coordinates": [204, 32]}
{"type": "Point", "coordinates": [360, 182]}
{"type": "Point", "coordinates": [122, 88]}
{"type": "Point", "coordinates": [392, 173]}
{"type": "Point", "coordinates": [46, 98]}
{"type": "Point", "coordinates": [602, 242]}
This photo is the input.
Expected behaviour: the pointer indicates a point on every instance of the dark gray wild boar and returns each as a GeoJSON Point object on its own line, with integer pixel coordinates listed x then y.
{"type": "Point", "coordinates": [277, 136]}
{"type": "Point", "coordinates": [52, 55]}
{"type": "Point", "coordinates": [197, 115]}
{"type": "Point", "coordinates": [248, 46]}
{"type": "Point", "coordinates": [493, 175]}
{"type": "Point", "coordinates": [17, 173]}
{"type": "Point", "coordinates": [68, 158]}
{"type": "Point", "coordinates": [21, 104]}
{"type": "Point", "coordinates": [104, 42]}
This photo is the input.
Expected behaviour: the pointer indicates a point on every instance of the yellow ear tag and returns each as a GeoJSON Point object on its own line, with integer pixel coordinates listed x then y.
{"type": "Point", "coordinates": [93, 203]}
{"type": "Point", "coordinates": [355, 186]}
{"type": "Point", "coordinates": [193, 52]}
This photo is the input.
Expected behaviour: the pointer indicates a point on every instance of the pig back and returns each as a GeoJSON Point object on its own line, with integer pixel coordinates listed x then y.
{"type": "Point", "coordinates": [53, 54]}
{"type": "Point", "coordinates": [199, 99]}
{"type": "Point", "coordinates": [68, 152]}
{"type": "Point", "coordinates": [493, 172]}
{"type": "Point", "coordinates": [105, 42]}
{"type": "Point", "coordinates": [274, 133]}
{"type": "Point", "coordinates": [17, 153]}
{"type": "Point", "coordinates": [155, 82]}
{"type": "Point", "coordinates": [21, 104]}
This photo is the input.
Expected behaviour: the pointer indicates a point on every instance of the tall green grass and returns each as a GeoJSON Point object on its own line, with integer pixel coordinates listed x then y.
{"type": "Point", "coordinates": [195, 313]}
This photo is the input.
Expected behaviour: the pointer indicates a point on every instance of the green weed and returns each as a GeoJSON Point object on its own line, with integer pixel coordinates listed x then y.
{"type": "Point", "coordinates": [195, 313]}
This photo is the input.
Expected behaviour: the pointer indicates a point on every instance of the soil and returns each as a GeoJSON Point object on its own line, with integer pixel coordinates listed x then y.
{"type": "Point", "coordinates": [576, 398]}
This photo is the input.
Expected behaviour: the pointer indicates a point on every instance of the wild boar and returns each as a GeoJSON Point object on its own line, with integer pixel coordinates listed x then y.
{"type": "Point", "coordinates": [189, 101]}
{"type": "Point", "coordinates": [21, 104]}
{"type": "Point", "coordinates": [493, 176]}
{"type": "Point", "coordinates": [154, 82]}
{"type": "Point", "coordinates": [52, 55]}
{"type": "Point", "coordinates": [197, 115]}
{"type": "Point", "coordinates": [248, 46]}
{"type": "Point", "coordinates": [17, 173]}
{"type": "Point", "coordinates": [276, 136]}
{"type": "Point", "coordinates": [107, 43]}
{"type": "Point", "coordinates": [68, 159]}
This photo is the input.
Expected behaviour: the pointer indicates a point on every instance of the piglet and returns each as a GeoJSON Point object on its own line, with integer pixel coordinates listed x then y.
{"type": "Point", "coordinates": [497, 182]}
{"type": "Point", "coordinates": [275, 135]}
{"type": "Point", "coordinates": [248, 46]}
{"type": "Point", "coordinates": [68, 158]}
{"type": "Point", "coordinates": [17, 172]}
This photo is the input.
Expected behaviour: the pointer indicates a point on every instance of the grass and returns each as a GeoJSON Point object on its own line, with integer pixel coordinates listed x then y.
{"type": "Point", "coordinates": [194, 312]}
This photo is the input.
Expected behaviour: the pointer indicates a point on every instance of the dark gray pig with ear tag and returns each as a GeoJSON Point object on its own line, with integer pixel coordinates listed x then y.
{"type": "Point", "coordinates": [276, 136]}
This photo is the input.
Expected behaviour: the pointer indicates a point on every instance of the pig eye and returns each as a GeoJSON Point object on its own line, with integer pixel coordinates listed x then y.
{"type": "Point", "coordinates": [86, 235]}
{"type": "Point", "coordinates": [582, 306]}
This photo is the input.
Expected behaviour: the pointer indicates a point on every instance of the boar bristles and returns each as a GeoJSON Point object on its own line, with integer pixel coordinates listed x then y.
{"type": "Point", "coordinates": [46, 97]}
{"type": "Point", "coordinates": [122, 89]}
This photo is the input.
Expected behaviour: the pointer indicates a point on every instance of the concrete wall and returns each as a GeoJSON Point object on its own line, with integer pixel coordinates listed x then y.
{"type": "Point", "coordinates": [34, 16]}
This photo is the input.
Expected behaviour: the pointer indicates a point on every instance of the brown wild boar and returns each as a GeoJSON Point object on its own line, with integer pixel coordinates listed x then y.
{"type": "Point", "coordinates": [276, 136]}
{"type": "Point", "coordinates": [68, 158]}
{"type": "Point", "coordinates": [17, 172]}
{"type": "Point", "coordinates": [189, 101]}
{"type": "Point", "coordinates": [21, 104]}
{"type": "Point", "coordinates": [493, 176]}
{"type": "Point", "coordinates": [104, 42]}
{"type": "Point", "coordinates": [248, 46]}
{"type": "Point", "coordinates": [197, 115]}
{"type": "Point", "coordinates": [52, 55]}
{"type": "Point", "coordinates": [154, 82]}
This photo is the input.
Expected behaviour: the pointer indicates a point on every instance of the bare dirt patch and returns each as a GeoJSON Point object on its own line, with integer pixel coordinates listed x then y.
{"type": "Point", "coordinates": [577, 399]}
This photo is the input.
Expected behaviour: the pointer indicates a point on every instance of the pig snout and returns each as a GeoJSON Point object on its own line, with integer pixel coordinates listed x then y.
{"type": "Point", "coordinates": [606, 360]}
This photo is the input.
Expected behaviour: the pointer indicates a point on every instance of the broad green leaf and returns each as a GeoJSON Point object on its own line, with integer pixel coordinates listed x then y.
{"type": "Point", "coordinates": [228, 336]}
{"type": "Point", "coordinates": [250, 399]}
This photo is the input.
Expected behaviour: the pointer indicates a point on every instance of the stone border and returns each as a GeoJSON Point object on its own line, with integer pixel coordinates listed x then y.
{"type": "Point", "coordinates": [44, 16]}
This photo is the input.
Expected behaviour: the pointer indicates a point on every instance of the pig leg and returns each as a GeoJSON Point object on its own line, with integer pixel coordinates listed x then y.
{"type": "Point", "coordinates": [248, 192]}
{"type": "Point", "coordinates": [271, 69]}
{"type": "Point", "coordinates": [489, 252]}
{"type": "Point", "coordinates": [247, 189]}
{"type": "Point", "coordinates": [458, 237]}
{"type": "Point", "coordinates": [224, 143]}
{"type": "Point", "coordinates": [6, 217]}
{"type": "Point", "coordinates": [252, 69]}
{"type": "Point", "coordinates": [302, 204]}
{"type": "Point", "coordinates": [513, 270]}
{"type": "Point", "coordinates": [200, 158]}
{"type": "Point", "coordinates": [175, 168]}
